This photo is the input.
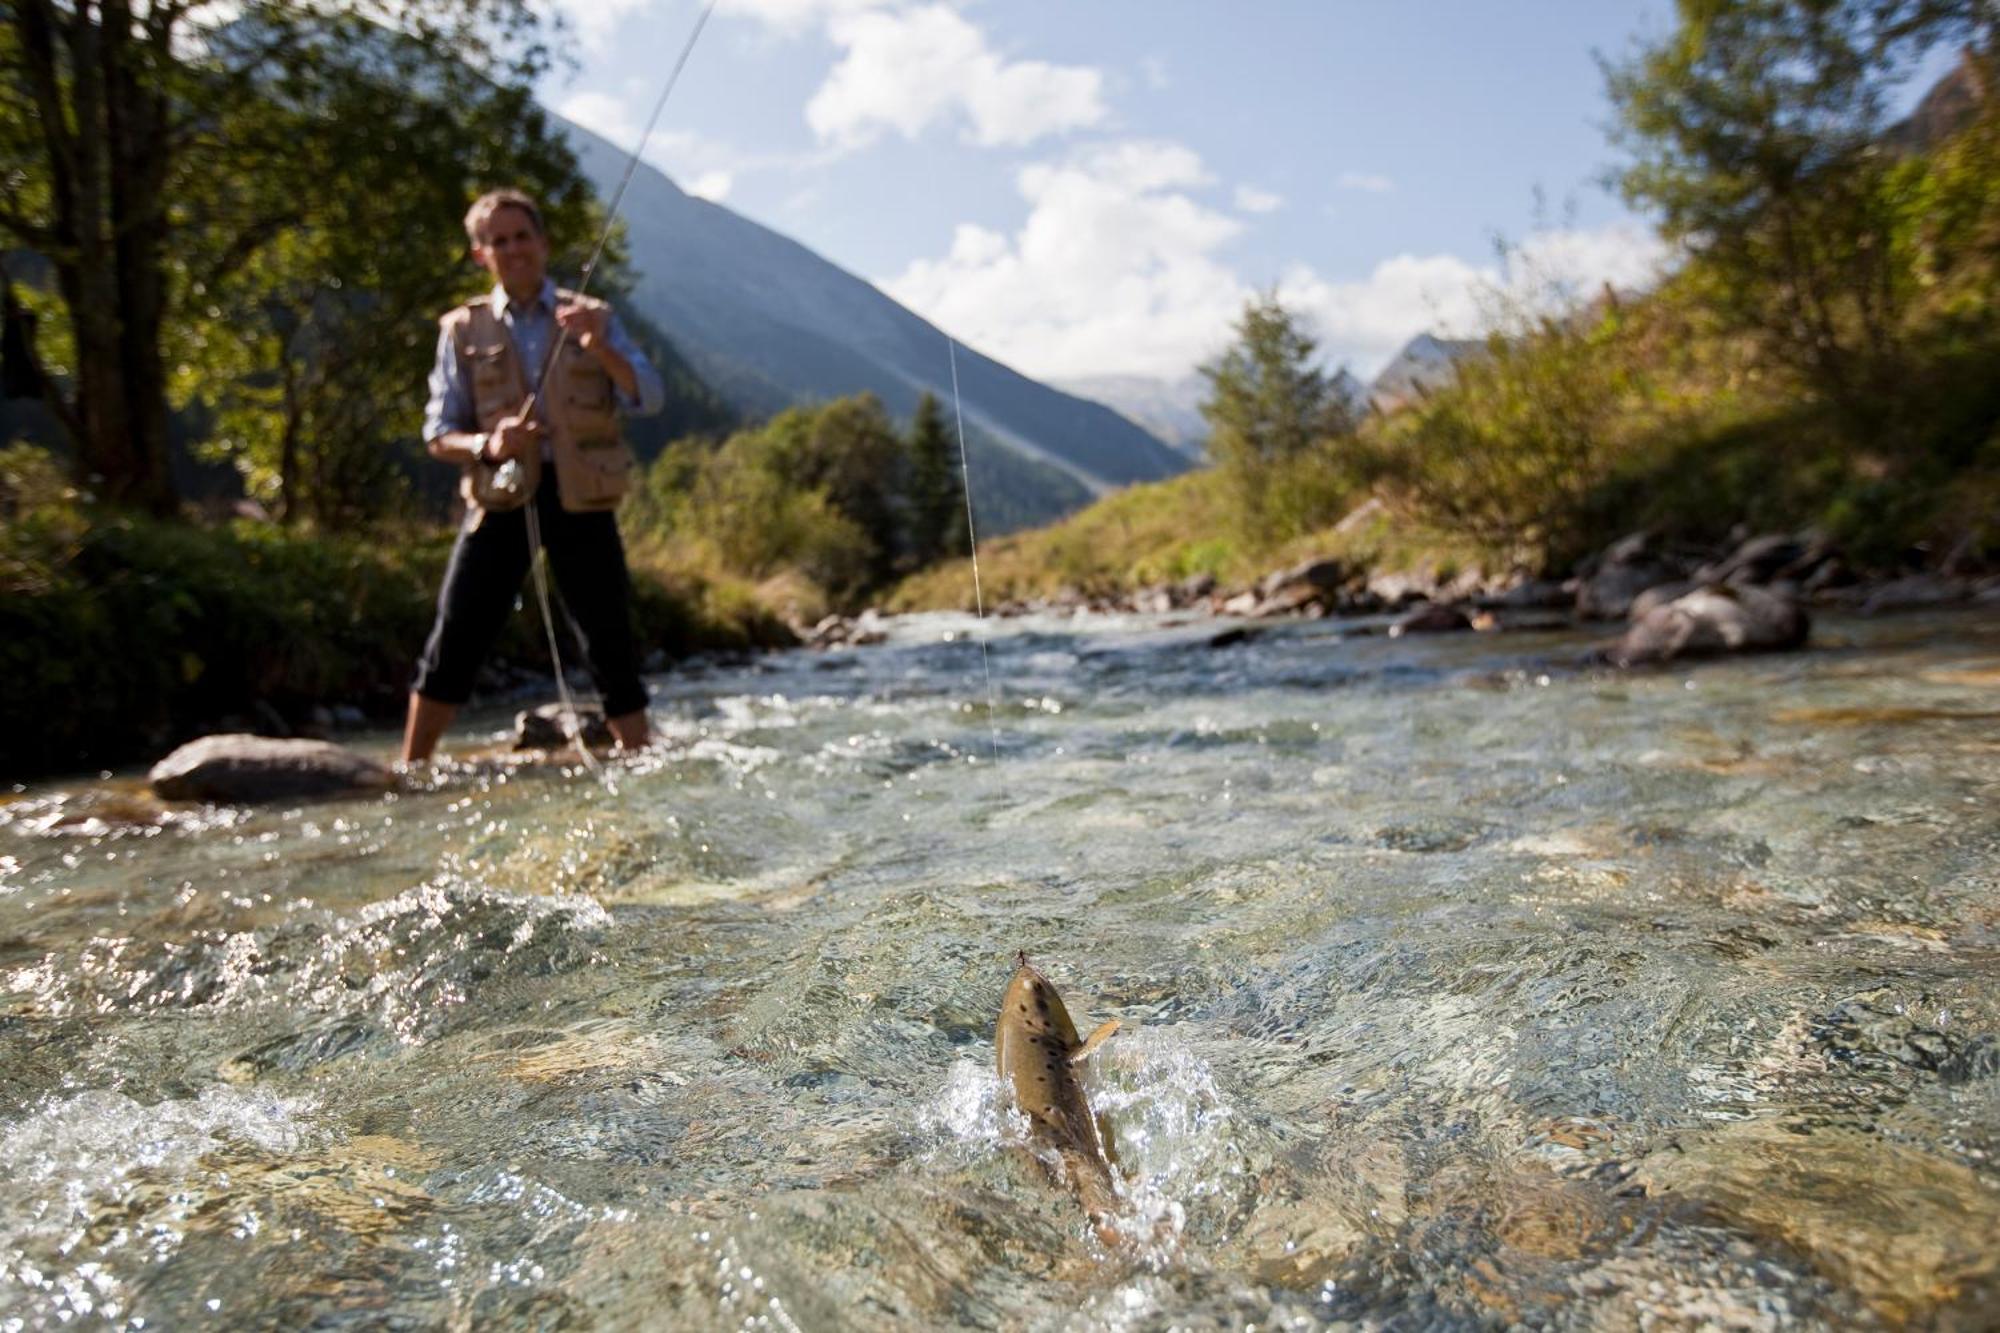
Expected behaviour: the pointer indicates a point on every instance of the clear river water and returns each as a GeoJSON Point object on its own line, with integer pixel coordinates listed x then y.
{"type": "Point", "coordinates": [1462, 985]}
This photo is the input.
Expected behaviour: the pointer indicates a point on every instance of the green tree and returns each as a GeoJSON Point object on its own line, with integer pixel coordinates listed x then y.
{"type": "Point", "coordinates": [936, 502]}
{"type": "Point", "coordinates": [1758, 134]}
{"type": "Point", "coordinates": [152, 151]}
{"type": "Point", "coordinates": [848, 451]}
{"type": "Point", "coordinates": [311, 352]}
{"type": "Point", "coordinates": [817, 491]}
{"type": "Point", "coordinates": [1269, 407]}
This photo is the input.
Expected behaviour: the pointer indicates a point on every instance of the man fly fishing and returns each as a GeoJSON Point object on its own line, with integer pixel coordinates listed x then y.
{"type": "Point", "coordinates": [542, 464]}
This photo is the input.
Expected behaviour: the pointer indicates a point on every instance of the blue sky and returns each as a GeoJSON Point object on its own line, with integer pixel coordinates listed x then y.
{"type": "Point", "coordinates": [1093, 187]}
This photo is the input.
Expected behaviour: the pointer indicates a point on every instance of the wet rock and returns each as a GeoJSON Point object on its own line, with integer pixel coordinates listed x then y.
{"type": "Point", "coordinates": [1911, 1251]}
{"type": "Point", "coordinates": [1315, 581]}
{"type": "Point", "coordinates": [1229, 638]}
{"type": "Point", "coordinates": [1294, 599]}
{"type": "Point", "coordinates": [1757, 560]}
{"type": "Point", "coordinates": [1713, 620]}
{"type": "Point", "coordinates": [1432, 836]}
{"type": "Point", "coordinates": [1533, 595]}
{"type": "Point", "coordinates": [1431, 619]}
{"type": "Point", "coordinates": [1659, 596]}
{"type": "Point", "coordinates": [1626, 568]}
{"type": "Point", "coordinates": [865, 630]}
{"type": "Point", "coordinates": [1194, 588]}
{"type": "Point", "coordinates": [1468, 583]}
{"type": "Point", "coordinates": [1395, 591]}
{"type": "Point", "coordinates": [240, 769]}
{"type": "Point", "coordinates": [547, 728]}
{"type": "Point", "coordinates": [1914, 592]}
{"type": "Point", "coordinates": [1242, 604]}
{"type": "Point", "coordinates": [1872, 1029]}
{"type": "Point", "coordinates": [1828, 575]}
{"type": "Point", "coordinates": [1154, 601]}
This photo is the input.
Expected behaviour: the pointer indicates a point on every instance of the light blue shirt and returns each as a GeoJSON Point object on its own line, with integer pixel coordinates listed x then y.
{"type": "Point", "coordinates": [532, 326]}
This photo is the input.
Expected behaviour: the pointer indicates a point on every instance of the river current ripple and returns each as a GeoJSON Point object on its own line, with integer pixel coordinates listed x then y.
{"type": "Point", "coordinates": [1462, 986]}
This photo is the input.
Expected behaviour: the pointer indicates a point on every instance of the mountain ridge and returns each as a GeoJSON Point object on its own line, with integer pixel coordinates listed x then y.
{"type": "Point", "coordinates": [769, 324]}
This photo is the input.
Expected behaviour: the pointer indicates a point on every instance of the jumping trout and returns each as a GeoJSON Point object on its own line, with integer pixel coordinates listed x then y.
{"type": "Point", "coordinates": [1038, 1054]}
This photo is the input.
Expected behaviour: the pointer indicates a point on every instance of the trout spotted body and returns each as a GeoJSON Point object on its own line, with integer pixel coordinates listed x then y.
{"type": "Point", "coordinates": [1038, 1054]}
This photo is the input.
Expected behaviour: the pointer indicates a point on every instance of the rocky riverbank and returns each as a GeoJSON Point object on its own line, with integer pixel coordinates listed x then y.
{"type": "Point", "coordinates": [1676, 599]}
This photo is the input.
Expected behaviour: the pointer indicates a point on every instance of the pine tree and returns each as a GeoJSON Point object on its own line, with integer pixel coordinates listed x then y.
{"type": "Point", "coordinates": [936, 508]}
{"type": "Point", "coordinates": [1269, 403]}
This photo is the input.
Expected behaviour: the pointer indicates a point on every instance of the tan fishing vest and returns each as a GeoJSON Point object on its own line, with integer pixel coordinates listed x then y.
{"type": "Point", "coordinates": [577, 411]}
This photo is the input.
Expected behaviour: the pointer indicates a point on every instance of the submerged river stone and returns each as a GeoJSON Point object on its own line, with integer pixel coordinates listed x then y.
{"type": "Point", "coordinates": [548, 728]}
{"type": "Point", "coordinates": [240, 769]}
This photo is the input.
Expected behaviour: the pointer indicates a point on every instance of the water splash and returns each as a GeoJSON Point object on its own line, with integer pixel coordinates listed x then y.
{"type": "Point", "coordinates": [1172, 1131]}
{"type": "Point", "coordinates": [74, 1162]}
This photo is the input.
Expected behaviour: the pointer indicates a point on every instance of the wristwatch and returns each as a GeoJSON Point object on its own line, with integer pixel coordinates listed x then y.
{"type": "Point", "coordinates": [485, 447]}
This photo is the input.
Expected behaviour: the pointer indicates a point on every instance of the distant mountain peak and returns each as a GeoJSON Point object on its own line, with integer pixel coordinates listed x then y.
{"type": "Point", "coordinates": [1426, 363]}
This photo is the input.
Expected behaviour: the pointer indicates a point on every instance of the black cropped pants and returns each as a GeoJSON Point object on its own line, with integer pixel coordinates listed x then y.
{"type": "Point", "coordinates": [484, 577]}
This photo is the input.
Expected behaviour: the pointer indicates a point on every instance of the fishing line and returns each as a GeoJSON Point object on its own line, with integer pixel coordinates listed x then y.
{"type": "Point", "coordinates": [534, 402]}
{"type": "Point", "coordinates": [972, 540]}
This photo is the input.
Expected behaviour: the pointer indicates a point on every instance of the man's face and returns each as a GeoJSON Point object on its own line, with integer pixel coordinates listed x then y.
{"type": "Point", "coordinates": [512, 250]}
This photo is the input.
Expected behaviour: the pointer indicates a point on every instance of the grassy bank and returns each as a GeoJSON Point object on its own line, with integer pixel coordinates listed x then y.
{"type": "Point", "coordinates": [120, 637]}
{"type": "Point", "coordinates": [1164, 532]}
{"type": "Point", "coordinates": [1549, 446]}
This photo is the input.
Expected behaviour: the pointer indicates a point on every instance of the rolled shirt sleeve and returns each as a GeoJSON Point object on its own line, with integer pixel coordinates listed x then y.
{"type": "Point", "coordinates": [652, 394]}
{"type": "Point", "coordinates": [449, 407]}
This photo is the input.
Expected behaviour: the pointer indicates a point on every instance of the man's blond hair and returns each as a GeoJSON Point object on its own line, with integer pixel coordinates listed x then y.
{"type": "Point", "coordinates": [486, 205]}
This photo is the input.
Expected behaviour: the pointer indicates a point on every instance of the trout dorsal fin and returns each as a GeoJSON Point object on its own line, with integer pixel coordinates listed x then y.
{"type": "Point", "coordinates": [1093, 1041]}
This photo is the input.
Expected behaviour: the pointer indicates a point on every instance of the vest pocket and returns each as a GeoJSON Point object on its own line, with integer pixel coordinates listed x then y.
{"type": "Point", "coordinates": [492, 382]}
{"type": "Point", "coordinates": [589, 382]}
{"type": "Point", "coordinates": [602, 468]}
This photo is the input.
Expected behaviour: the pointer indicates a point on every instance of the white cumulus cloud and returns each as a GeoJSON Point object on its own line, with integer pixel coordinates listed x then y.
{"type": "Point", "coordinates": [1112, 272]}
{"type": "Point", "coordinates": [1117, 269]}
{"type": "Point", "coordinates": [602, 114]}
{"type": "Point", "coordinates": [1250, 199]}
{"type": "Point", "coordinates": [793, 17]}
{"type": "Point", "coordinates": [904, 68]}
{"type": "Point", "coordinates": [595, 22]}
{"type": "Point", "coordinates": [1364, 322]}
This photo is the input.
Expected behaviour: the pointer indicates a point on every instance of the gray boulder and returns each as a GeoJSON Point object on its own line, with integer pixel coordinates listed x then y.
{"type": "Point", "coordinates": [1658, 596]}
{"type": "Point", "coordinates": [241, 769]}
{"type": "Point", "coordinates": [1318, 577]}
{"type": "Point", "coordinates": [1194, 588]}
{"type": "Point", "coordinates": [1757, 560]}
{"type": "Point", "coordinates": [1713, 620]}
{"type": "Point", "coordinates": [1915, 592]}
{"type": "Point", "coordinates": [1611, 580]}
{"type": "Point", "coordinates": [1394, 591]}
{"type": "Point", "coordinates": [1530, 594]}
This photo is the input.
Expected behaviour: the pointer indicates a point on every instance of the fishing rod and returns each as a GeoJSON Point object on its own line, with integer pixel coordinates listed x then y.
{"type": "Point", "coordinates": [508, 480]}
{"type": "Point", "coordinates": [972, 540]}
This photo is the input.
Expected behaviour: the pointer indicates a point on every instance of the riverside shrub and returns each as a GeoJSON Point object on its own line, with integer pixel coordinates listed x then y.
{"type": "Point", "coordinates": [122, 636]}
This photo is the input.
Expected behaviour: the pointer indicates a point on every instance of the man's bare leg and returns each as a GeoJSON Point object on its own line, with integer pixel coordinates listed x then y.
{"type": "Point", "coordinates": [425, 725]}
{"type": "Point", "coordinates": [630, 729]}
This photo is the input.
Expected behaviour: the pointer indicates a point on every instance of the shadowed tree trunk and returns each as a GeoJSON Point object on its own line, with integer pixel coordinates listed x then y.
{"type": "Point", "coordinates": [103, 134]}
